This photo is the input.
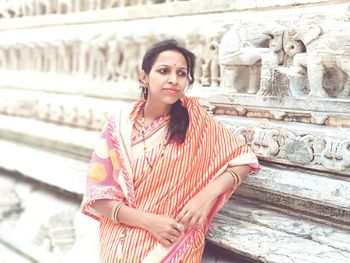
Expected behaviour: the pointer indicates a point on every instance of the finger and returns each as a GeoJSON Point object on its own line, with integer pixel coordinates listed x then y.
{"type": "Point", "coordinates": [175, 233]}
{"type": "Point", "coordinates": [193, 222]}
{"type": "Point", "coordinates": [181, 215]}
{"type": "Point", "coordinates": [165, 242]}
{"type": "Point", "coordinates": [178, 227]}
{"type": "Point", "coordinates": [202, 221]}
{"type": "Point", "coordinates": [186, 219]}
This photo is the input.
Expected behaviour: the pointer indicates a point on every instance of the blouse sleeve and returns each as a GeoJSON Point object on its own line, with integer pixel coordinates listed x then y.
{"type": "Point", "coordinates": [102, 175]}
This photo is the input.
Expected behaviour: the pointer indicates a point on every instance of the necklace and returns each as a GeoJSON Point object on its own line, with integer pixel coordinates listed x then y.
{"type": "Point", "coordinates": [143, 129]}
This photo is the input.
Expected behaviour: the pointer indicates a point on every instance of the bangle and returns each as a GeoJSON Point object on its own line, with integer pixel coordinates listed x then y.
{"type": "Point", "coordinates": [115, 212]}
{"type": "Point", "coordinates": [236, 177]}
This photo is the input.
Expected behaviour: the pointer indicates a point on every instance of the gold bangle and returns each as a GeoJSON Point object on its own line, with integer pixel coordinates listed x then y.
{"type": "Point", "coordinates": [236, 177]}
{"type": "Point", "coordinates": [115, 212]}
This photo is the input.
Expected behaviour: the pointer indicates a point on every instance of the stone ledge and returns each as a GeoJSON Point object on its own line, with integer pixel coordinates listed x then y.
{"type": "Point", "coordinates": [154, 11]}
{"type": "Point", "coordinates": [32, 252]}
{"type": "Point", "coordinates": [311, 193]}
{"type": "Point", "coordinates": [269, 236]}
{"type": "Point", "coordinates": [58, 231]}
{"type": "Point", "coordinates": [53, 169]}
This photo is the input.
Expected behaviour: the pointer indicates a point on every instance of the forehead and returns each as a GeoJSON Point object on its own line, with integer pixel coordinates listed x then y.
{"type": "Point", "coordinates": [170, 58]}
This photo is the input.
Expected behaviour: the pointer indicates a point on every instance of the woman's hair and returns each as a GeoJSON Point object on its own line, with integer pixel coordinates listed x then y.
{"type": "Point", "coordinates": [179, 119]}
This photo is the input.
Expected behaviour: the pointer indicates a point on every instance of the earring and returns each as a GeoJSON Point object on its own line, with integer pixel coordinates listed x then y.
{"type": "Point", "coordinates": [144, 91]}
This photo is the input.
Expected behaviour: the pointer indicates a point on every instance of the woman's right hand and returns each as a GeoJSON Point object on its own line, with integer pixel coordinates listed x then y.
{"type": "Point", "coordinates": [165, 229]}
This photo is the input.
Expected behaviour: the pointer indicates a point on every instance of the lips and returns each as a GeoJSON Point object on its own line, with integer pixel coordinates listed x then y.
{"type": "Point", "coordinates": [171, 91]}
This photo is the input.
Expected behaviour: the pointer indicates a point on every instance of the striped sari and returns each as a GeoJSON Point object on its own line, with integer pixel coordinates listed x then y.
{"type": "Point", "coordinates": [119, 171]}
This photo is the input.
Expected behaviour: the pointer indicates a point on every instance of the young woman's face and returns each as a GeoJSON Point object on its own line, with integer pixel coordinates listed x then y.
{"type": "Point", "coordinates": [168, 78]}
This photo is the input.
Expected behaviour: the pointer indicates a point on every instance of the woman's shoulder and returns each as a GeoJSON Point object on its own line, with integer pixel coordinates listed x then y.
{"type": "Point", "coordinates": [198, 114]}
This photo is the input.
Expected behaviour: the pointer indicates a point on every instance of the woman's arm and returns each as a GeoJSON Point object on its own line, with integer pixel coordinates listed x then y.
{"type": "Point", "coordinates": [197, 209]}
{"type": "Point", "coordinates": [163, 228]}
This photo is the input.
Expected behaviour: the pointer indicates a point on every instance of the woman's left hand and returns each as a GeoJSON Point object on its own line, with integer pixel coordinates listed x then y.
{"type": "Point", "coordinates": [195, 212]}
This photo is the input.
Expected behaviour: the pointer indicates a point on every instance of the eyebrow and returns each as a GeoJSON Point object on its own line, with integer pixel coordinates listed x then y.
{"type": "Point", "coordinates": [160, 65]}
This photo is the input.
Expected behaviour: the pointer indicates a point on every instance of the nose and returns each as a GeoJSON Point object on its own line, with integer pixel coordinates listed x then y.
{"type": "Point", "coordinates": [172, 78]}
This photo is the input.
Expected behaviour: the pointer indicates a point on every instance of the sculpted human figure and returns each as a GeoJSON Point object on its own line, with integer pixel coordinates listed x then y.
{"type": "Point", "coordinates": [44, 7]}
{"type": "Point", "coordinates": [4, 56]}
{"type": "Point", "coordinates": [196, 42]}
{"type": "Point", "coordinates": [130, 58]}
{"type": "Point", "coordinates": [214, 62]}
{"type": "Point", "coordinates": [63, 57]}
{"type": "Point", "coordinates": [38, 55]}
{"type": "Point", "coordinates": [113, 57]}
{"type": "Point", "coordinates": [13, 57]}
{"type": "Point", "coordinates": [97, 62]}
{"type": "Point", "coordinates": [29, 7]}
{"type": "Point", "coordinates": [67, 6]}
{"type": "Point", "coordinates": [50, 57]}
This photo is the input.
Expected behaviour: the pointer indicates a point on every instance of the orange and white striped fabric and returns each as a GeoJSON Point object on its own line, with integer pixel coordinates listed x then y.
{"type": "Point", "coordinates": [119, 171]}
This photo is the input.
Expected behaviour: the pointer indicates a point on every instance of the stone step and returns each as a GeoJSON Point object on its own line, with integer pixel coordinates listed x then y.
{"type": "Point", "coordinates": [323, 196]}
{"type": "Point", "coordinates": [31, 232]}
{"type": "Point", "coordinates": [264, 234]}
{"type": "Point", "coordinates": [244, 227]}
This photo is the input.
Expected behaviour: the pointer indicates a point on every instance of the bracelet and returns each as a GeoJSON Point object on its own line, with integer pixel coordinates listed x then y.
{"type": "Point", "coordinates": [236, 177]}
{"type": "Point", "coordinates": [115, 212]}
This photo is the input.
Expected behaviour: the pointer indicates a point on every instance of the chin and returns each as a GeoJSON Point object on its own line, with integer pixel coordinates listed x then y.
{"type": "Point", "coordinates": [171, 100]}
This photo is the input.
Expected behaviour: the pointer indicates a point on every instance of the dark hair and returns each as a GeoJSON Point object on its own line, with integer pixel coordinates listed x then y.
{"type": "Point", "coordinates": [179, 119]}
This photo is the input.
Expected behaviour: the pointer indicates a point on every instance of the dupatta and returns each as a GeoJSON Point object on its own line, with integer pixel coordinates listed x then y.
{"type": "Point", "coordinates": [208, 150]}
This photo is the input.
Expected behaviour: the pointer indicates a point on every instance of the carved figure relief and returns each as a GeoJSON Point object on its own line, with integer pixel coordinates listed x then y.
{"type": "Point", "coordinates": [336, 154]}
{"type": "Point", "coordinates": [265, 143]}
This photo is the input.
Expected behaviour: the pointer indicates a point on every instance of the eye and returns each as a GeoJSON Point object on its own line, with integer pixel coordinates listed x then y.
{"type": "Point", "coordinates": [163, 70]}
{"type": "Point", "coordinates": [182, 73]}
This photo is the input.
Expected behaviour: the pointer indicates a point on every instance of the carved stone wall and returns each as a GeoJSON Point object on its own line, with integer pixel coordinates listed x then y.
{"type": "Point", "coordinates": [277, 73]}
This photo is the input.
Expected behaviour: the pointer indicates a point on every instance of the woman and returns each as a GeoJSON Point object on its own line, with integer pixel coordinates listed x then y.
{"type": "Point", "coordinates": [162, 168]}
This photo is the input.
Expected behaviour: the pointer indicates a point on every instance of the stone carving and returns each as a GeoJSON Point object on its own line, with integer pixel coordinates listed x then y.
{"type": "Point", "coordinates": [336, 154]}
{"type": "Point", "coordinates": [196, 43]}
{"type": "Point", "coordinates": [57, 234]}
{"type": "Point", "coordinates": [66, 6]}
{"type": "Point", "coordinates": [275, 77]}
{"type": "Point", "coordinates": [44, 7]}
{"type": "Point", "coordinates": [9, 202]}
{"type": "Point", "coordinates": [240, 53]}
{"type": "Point", "coordinates": [18, 8]}
{"type": "Point", "coordinates": [327, 51]}
{"type": "Point", "coordinates": [298, 149]}
{"type": "Point", "coordinates": [306, 150]}
{"type": "Point", "coordinates": [265, 143]}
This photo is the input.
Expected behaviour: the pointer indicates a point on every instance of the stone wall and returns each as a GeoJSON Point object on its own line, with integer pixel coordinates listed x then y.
{"type": "Point", "coordinates": [275, 72]}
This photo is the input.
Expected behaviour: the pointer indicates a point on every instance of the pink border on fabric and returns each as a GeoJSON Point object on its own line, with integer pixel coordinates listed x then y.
{"type": "Point", "coordinates": [127, 177]}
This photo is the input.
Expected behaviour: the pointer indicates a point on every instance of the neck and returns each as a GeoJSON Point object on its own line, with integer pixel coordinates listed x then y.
{"type": "Point", "coordinates": [155, 111]}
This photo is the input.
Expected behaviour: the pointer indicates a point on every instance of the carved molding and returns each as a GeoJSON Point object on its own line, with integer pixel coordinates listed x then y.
{"type": "Point", "coordinates": [326, 149]}
{"type": "Point", "coordinates": [329, 112]}
{"type": "Point", "coordinates": [268, 56]}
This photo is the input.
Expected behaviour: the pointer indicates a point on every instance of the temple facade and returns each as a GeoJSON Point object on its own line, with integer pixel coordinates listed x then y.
{"type": "Point", "coordinates": [276, 73]}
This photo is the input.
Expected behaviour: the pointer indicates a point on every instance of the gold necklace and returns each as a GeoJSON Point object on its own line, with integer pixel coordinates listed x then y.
{"type": "Point", "coordinates": [143, 129]}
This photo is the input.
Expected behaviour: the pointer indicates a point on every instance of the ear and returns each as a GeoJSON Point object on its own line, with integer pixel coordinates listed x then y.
{"type": "Point", "coordinates": [143, 78]}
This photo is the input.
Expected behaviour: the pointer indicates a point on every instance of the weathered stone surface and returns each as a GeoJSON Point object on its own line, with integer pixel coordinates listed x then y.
{"type": "Point", "coordinates": [118, 11]}
{"type": "Point", "coordinates": [64, 73]}
{"type": "Point", "coordinates": [268, 236]}
{"type": "Point", "coordinates": [58, 232]}
{"type": "Point", "coordinates": [303, 145]}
